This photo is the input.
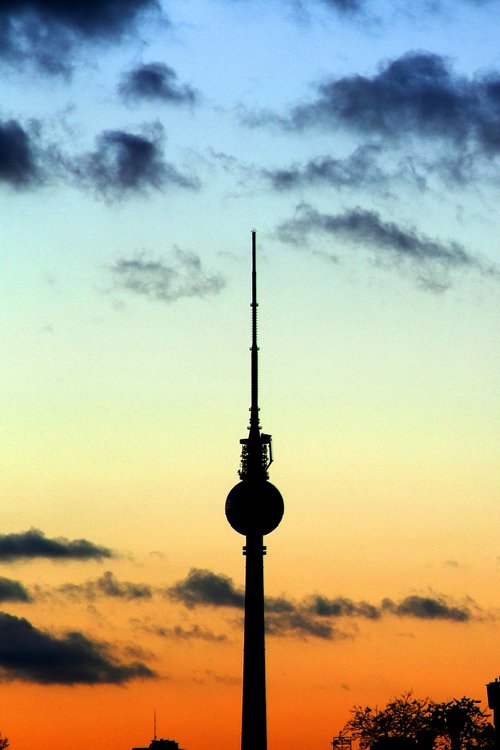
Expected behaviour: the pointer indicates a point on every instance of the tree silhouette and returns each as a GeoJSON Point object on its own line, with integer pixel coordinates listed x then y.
{"type": "Point", "coordinates": [408, 722]}
{"type": "Point", "coordinates": [4, 742]}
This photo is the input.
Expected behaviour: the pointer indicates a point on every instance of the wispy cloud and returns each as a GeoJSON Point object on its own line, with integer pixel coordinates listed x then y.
{"type": "Point", "coordinates": [46, 33]}
{"type": "Point", "coordinates": [343, 8]}
{"type": "Point", "coordinates": [33, 655]}
{"type": "Point", "coordinates": [431, 259]}
{"type": "Point", "coordinates": [106, 585]}
{"type": "Point", "coordinates": [177, 632]}
{"type": "Point", "coordinates": [164, 280]}
{"type": "Point", "coordinates": [33, 544]}
{"type": "Point", "coordinates": [303, 625]}
{"type": "Point", "coordinates": [155, 82]}
{"type": "Point", "coordinates": [360, 169]}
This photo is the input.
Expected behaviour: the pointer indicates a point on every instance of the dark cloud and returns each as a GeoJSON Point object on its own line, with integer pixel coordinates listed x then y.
{"type": "Point", "coordinates": [340, 607]}
{"type": "Point", "coordinates": [107, 585]}
{"type": "Point", "coordinates": [360, 169]}
{"type": "Point", "coordinates": [313, 616]}
{"type": "Point", "coordinates": [427, 608]}
{"type": "Point", "coordinates": [300, 624]}
{"type": "Point", "coordinates": [155, 82]}
{"type": "Point", "coordinates": [33, 655]}
{"type": "Point", "coordinates": [182, 276]}
{"type": "Point", "coordinates": [430, 607]}
{"type": "Point", "coordinates": [29, 545]}
{"type": "Point", "coordinates": [13, 591]}
{"type": "Point", "coordinates": [431, 259]}
{"type": "Point", "coordinates": [417, 94]}
{"type": "Point", "coordinates": [202, 587]}
{"type": "Point", "coordinates": [207, 588]}
{"type": "Point", "coordinates": [123, 164]}
{"type": "Point", "coordinates": [46, 32]}
{"type": "Point", "coordinates": [345, 6]}
{"type": "Point", "coordinates": [19, 166]}
{"type": "Point", "coordinates": [278, 605]}
{"type": "Point", "coordinates": [128, 163]}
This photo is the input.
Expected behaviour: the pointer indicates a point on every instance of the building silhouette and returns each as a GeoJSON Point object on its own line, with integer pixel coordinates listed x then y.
{"type": "Point", "coordinates": [493, 692]}
{"type": "Point", "coordinates": [160, 745]}
{"type": "Point", "coordinates": [254, 508]}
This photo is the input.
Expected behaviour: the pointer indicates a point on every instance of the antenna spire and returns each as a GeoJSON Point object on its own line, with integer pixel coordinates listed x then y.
{"type": "Point", "coordinates": [256, 451]}
{"type": "Point", "coordinates": [254, 407]}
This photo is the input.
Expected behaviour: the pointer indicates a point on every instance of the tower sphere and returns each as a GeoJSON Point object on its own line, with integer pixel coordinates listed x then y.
{"type": "Point", "coordinates": [254, 506]}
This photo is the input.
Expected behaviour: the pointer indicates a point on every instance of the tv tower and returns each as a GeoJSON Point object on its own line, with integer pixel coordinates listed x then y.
{"type": "Point", "coordinates": [254, 507]}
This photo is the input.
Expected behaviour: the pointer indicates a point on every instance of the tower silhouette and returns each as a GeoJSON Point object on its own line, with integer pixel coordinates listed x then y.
{"type": "Point", "coordinates": [254, 507]}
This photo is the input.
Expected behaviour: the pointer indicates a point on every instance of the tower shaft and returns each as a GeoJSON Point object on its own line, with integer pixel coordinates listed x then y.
{"type": "Point", "coordinates": [254, 710]}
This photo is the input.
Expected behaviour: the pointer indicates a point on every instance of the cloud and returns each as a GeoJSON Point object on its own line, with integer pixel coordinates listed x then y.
{"type": "Point", "coordinates": [107, 585]}
{"type": "Point", "coordinates": [123, 164]}
{"type": "Point", "coordinates": [360, 169]}
{"type": "Point", "coordinates": [278, 605]}
{"type": "Point", "coordinates": [166, 281]}
{"type": "Point", "coordinates": [345, 6]}
{"type": "Point", "coordinates": [342, 7]}
{"type": "Point", "coordinates": [300, 624]}
{"type": "Point", "coordinates": [33, 655]}
{"type": "Point", "coordinates": [315, 615]}
{"type": "Point", "coordinates": [13, 591]}
{"type": "Point", "coordinates": [32, 544]}
{"type": "Point", "coordinates": [127, 163]}
{"type": "Point", "coordinates": [207, 588]}
{"type": "Point", "coordinates": [430, 607]}
{"type": "Point", "coordinates": [155, 82]}
{"type": "Point", "coordinates": [340, 607]}
{"type": "Point", "coordinates": [183, 634]}
{"type": "Point", "coordinates": [393, 243]}
{"type": "Point", "coordinates": [417, 94]}
{"type": "Point", "coordinates": [19, 166]}
{"type": "Point", "coordinates": [427, 608]}
{"type": "Point", "coordinates": [46, 32]}
{"type": "Point", "coordinates": [312, 616]}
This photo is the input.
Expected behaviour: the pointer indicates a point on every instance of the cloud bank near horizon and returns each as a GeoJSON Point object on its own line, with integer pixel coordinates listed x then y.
{"type": "Point", "coordinates": [316, 615]}
{"type": "Point", "coordinates": [32, 655]}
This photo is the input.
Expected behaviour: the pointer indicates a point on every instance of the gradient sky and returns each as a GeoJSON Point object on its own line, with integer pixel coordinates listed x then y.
{"type": "Point", "coordinates": [140, 142]}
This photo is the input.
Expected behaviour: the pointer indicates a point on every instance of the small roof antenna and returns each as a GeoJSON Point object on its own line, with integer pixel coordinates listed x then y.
{"type": "Point", "coordinates": [154, 724]}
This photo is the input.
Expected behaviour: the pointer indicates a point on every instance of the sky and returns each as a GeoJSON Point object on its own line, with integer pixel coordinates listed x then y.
{"type": "Point", "coordinates": [140, 143]}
